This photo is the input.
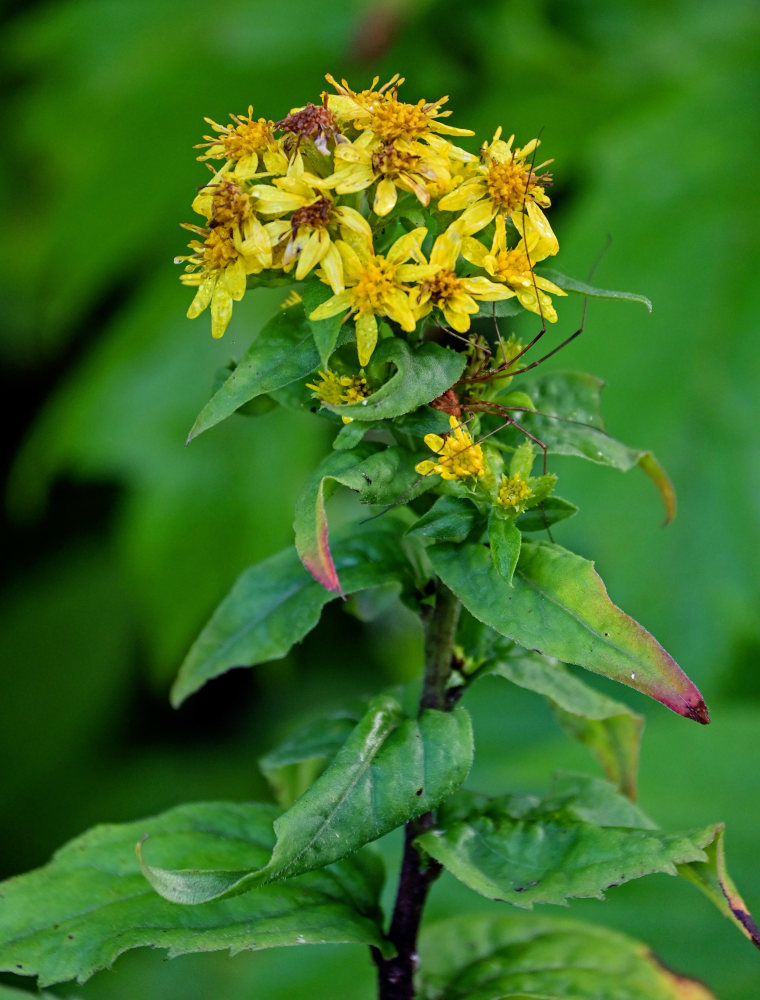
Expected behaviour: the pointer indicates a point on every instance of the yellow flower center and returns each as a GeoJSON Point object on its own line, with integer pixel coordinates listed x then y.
{"type": "Point", "coordinates": [230, 205]}
{"type": "Point", "coordinates": [459, 457]}
{"type": "Point", "coordinates": [390, 162]}
{"type": "Point", "coordinates": [219, 249]}
{"type": "Point", "coordinates": [513, 268]}
{"type": "Point", "coordinates": [247, 137]}
{"type": "Point", "coordinates": [509, 185]}
{"type": "Point", "coordinates": [443, 286]}
{"type": "Point", "coordinates": [392, 119]}
{"type": "Point", "coordinates": [513, 491]}
{"type": "Point", "coordinates": [376, 282]}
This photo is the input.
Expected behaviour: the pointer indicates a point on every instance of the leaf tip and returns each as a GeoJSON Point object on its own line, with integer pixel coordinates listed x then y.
{"type": "Point", "coordinates": [698, 713]}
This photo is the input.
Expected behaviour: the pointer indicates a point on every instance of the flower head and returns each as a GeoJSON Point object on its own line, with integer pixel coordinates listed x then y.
{"type": "Point", "coordinates": [339, 390]}
{"type": "Point", "coordinates": [377, 285]}
{"type": "Point", "coordinates": [242, 144]}
{"type": "Point", "coordinates": [459, 457]}
{"type": "Point", "coordinates": [513, 493]}
{"type": "Point", "coordinates": [504, 183]}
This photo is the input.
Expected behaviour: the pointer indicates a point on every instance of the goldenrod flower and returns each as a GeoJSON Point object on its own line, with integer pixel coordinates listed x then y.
{"type": "Point", "coordinates": [459, 457]}
{"type": "Point", "coordinates": [313, 122]}
{"type": "Point", "coordinates": [380, 111]}
{"type": "Point", "coordinates": [456, 297]}
{"type": "Point", "coordinates": [377, 285]}
{"type": "Point", "coordinates": [409, 166]}
{"type": "Point", "coordinates": [243, 144]}
{"type": "Point", "coordinates": [514, 266]}
{"type": "Point", "coordinates": [218, 267]}
{"type": "Point", "coordinates": [339, 390]}
{"type": "Point", "coordinates": [513, 493]}
{"type": "Point", "coordinates": [502, 184]}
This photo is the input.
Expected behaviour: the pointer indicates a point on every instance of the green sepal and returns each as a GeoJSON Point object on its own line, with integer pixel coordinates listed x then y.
{"type": "Point", "coordinates": [581, 840]}
{"type": "Point", "coordinates": [390, 769]}
{"type": "Point", "coordinates": [283, 352]}
{"type": "Point", "coordinates": [91, 903]}
{"type": "Point", "coordinates": [420, 376]}
{"type": "Point", "coordinates": [559, 606]}
{"type": "Point", "coordinates": [274, 604]}
{"type": "Point", "coordinates": [530, 957]}
{"type": "Point", "coordinates": [504, 540]}
{"type": "Point", "coordinates": [569, 284]}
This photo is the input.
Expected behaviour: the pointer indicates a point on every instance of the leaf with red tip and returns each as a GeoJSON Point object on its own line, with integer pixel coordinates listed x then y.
{"type": "Point", "coordinates": [380, 475]}
{"type": "Point", "coordinates": [559, 606]}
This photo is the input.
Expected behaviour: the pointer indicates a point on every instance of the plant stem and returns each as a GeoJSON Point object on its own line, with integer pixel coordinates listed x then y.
{"type": "Point", "coordinates": [396, 975]}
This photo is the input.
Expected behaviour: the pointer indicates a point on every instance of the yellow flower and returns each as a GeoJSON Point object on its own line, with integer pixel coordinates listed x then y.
{"type": "Point", "coordinates": [455, 296]}
{"type": "Point", "coordinates": [502, 184]}
{"type": "Point", "coordinates": [340, 390]}
{"type": "Point", "coordinates": [459, 457]}
{"type": "Point", "coordinates": [513, 493]}
{"type": "Point", "coordinates": [409, 166]}
{"type": "Point", "coordinates": [243, 143]}
{"type": "Point", "coordinates": [218, 267]}
{"type": "Point", "coordinates": [377, 285]}
{"type": "Point", "coordinates": [380, 111]}
{"type": "Point", "coordinates": [305, 238]}
{"type": "Point", "coordinates": [514, 266]}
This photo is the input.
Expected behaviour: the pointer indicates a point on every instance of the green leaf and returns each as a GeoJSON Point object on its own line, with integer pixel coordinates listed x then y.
{"type": "Point", "coordinates": [91, 902]}
{"type": "Point", "coordinates": [505, 541]}
{"type": "Point", "coordinates": [582, 288]}
{"type": "Point", "coordinates": [420, 377]}
{"type": "Point", "coordinates": [391, 769]}
{"type": "Point", "coordinates": [530, 957]}
{"type": "Point", "coordinates": [568, 420]}
{"type": "Point", "coordinates": [294, 765]}
{"type": "Point", "coordinates": [379, 474]}
{"type": "Point", "coordinates": [274, 604]}
{"type": "Point", "coordinates": [712, 878]}
{"type": "Point", "coordinates": [523, 850]}
{"type": "Point", "coordinates": [324, 331]}
{"type": "Point", "coordinates": [450, 519]}
{"type": "Point", "coordinates": [552, 510]}
{"type": "Point", "coordinates": [283, 352]}
{"type": "Point", "coordinates": [610, 730]}
{"type": "Point", "coordinates": [559, 606]}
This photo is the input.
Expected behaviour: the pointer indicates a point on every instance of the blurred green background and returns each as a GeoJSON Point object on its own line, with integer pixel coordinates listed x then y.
{"type": "Point", "coordinates": [119, 541]}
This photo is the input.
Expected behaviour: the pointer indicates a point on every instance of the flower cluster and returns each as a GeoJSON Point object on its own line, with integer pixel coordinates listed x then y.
{"type": "Point", "coordinates": [371, 196]}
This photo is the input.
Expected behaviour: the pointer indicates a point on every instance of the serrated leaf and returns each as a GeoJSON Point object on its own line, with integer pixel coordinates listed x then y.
{"type": "Point", "coordinates": [525, 851]}
{"type": "Point", "coordinates": [292, 767]}
{"type": "Point", "coordinates": [568, 420]}
{"type": "Point", "coordinates": [274, 604]}
{"type": "Point", "coordinates": [551, 510]}
{"type": "Point", "coordinates": [569, 284]}
{"type": "Point", "coordinates": [283, 352]}
{"type": "Point", "coordinates": [420, 377]}
{"type": "Point", "coordinates": [391, 769]}
{"type": "Point", "coordinates": [530, 957]}
{"type": "Point", "coordinates": [610, 730]}
{"type": "Point", "coordinates": [380, 475]}
{"type": "Point", "coordinates": [711, 876]}
{"type": "Point", "coordinates": [91, 902]}
{"type": "Point", "coordinates": [559, 606]}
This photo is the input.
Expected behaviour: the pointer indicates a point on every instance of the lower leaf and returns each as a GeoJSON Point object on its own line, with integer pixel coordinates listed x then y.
{"type": "Point", "coordinates": [521, 957]}
{"type": "Point", "coordinates": [91, 903]}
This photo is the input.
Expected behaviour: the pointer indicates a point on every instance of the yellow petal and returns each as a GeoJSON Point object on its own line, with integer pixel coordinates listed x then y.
{"type": "Point", "coordinates": [333, 306]}
{"type": "Point", "coordinates": [385, 197]}
{"type": "Point", "coordinates": [366, 336]}
{"type": "Point", "coordinates": [313, 251]}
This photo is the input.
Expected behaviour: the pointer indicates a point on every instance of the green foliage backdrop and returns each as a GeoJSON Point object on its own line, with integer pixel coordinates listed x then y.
{"type": "Point", "coordinates": [120, 541]}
